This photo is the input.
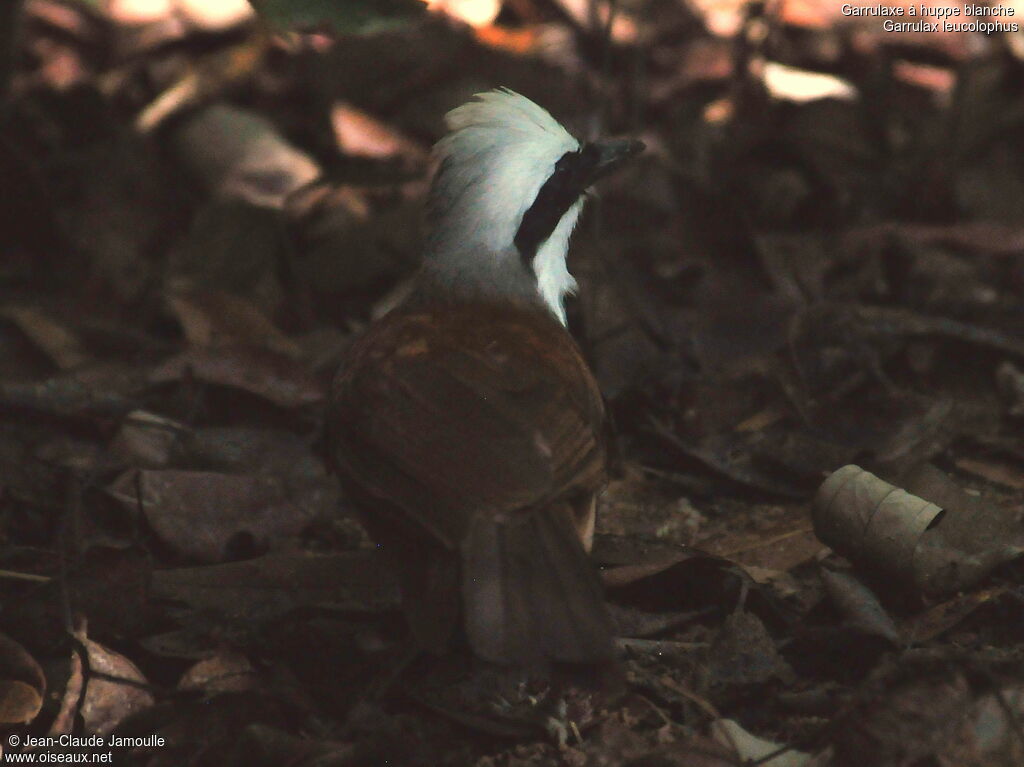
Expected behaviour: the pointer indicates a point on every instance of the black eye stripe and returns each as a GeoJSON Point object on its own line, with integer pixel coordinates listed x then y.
{"type": "Point", "coordinates": [557, 195]}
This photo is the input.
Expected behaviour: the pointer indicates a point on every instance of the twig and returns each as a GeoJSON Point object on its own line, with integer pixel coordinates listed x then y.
{"type": "Point", "coordinates": [658, 645]}
{"type": "Point", "coordinates": [16, 576]}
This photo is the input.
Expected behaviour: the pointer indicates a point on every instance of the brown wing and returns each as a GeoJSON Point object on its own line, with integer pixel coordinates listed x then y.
{"type": "Point", "coordinates": [449, 412]}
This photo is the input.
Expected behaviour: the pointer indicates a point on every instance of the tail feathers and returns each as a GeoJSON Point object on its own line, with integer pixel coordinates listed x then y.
{"type": "Point", "coordinates": [531, 594]}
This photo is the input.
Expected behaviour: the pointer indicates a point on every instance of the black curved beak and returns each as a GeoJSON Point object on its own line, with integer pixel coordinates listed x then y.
{"type": "Point", "coordinates": [573, 174]}
{"type": "Point", "coordinates": [602, 158]}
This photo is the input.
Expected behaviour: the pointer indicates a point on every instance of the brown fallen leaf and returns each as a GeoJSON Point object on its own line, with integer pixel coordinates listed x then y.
{"type": "Point", "coordinates": [114, 689]}
{"type": "Point", "coordinates": [147, 439]}
{"type": "Point", "coordinates": [216, 319]}
{"type": "Point", "coordinates": [224, 672]}
{"type": "Point", "coordinates": [1010, 380]}
{"type": "Point", "coordinates": [275, 584]}
{"type": "Point", "coordinates": [22, 683]}
{"type": "Point", "coordinates": [994, 471]}
{"type": "Point", "coordinates": [935, 547]}
{"type": "Point", "coordinates": [685, 580]}
{"type": "Point", "coordinates": [200, 514]}
{"type": "Point", "coordinates": [919, 718]}
{"type": "Point", "coordinates": [859, 605]}
{"type": "Point", "coordinates": [940, 618]}
{"type": "Point", "coordinates": [743, 653]}
{"type": "Point", "coordinates": [995, 727]}
{"type": "Point", "coordinates": [264, 744]}
{"type": "Point", "coordinates": [779, 539]}
{"type": "Point", "coordinates": [273, 377]}
{"type": "Point", "coordinates": [237, 153]}
{"type": "Point", "coordinates": [52, 338]}
{"type": "Point", "coordinates": [213, 731]}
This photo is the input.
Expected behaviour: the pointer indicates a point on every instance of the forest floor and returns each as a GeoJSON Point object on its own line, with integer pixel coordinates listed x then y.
{"type": "Point", "coordinates": [818, 263]}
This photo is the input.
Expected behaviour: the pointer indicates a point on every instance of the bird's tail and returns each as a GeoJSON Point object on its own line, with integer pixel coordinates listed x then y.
{"type": "Point", "coordinates": [530, 592]}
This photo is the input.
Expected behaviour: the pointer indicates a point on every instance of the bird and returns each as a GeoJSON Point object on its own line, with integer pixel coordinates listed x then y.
{"type": "Point", "coordinates": [465, 425]}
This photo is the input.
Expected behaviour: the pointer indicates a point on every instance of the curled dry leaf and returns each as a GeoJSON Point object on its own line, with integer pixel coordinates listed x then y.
{"type": "Point", "coordinates": [200, 514]}
{"type": "Point", "coordinates": [931, 548]}
{"type": "Point", "coordinates": [22, 683]}
{"type": "Point", "coordinates": [114, 690]}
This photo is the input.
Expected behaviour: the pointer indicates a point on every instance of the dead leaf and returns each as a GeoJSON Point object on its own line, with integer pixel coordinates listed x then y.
{"type": "Point", "coordinates": [273, 377]}
{"type": "Point", "coordinates": [275, 584]}
{"type": "Point", "coordinates": [910, 722]}
{"type": "Point", "coordinates": [750, 747]}
{"type": "Point", "coordinates": [202, 514]}
{"type": "Point", "coordinates": [235, 247]}
{"type": "Point", "coordinates": [22, 683]}
{"type": "Point", "coordinates": [267, 744]}
{"type": "Point", "coordinates": [238, 450]}
{"type": "Point", "coordinates": [859, 606]}
{"type": "Point", "coordinates": [359, 134]}
{"type": "Point", "coordinates": [1010, 380]}
{"type": "Point", "coordinates": [1000, 473]}
{"type": "Point", "coordinates": [937, 549]}
{"type": "Point", "coordinates": [147, 439]}
{"type": "Point", "coordinates": [974, 536]}
{"type": "Point", "coordinates": [224, 672]}
{"type": "Point", "coordinates": [204, 78]}
{"type": "Point", "coordinates": [940, 618]}
{"type": "Point", "coordinates": [213, 731]}
{"type": "Point", "coordinates": [743, 654]}
{"type": "Point", "coordinates": [682, 581]}
{"type": "Point", "coordinates": [53, 339]}
{"type": "Point", "coordinates": [217, 319]}
{"type": "Point", "coordinates": [108, 699]}
{"type": "Point", "coordinates": [995, 727]}
{"type": "Point", "coordinates": [240, 154]}
{"type": "Point", "coordinates": [777, 538]}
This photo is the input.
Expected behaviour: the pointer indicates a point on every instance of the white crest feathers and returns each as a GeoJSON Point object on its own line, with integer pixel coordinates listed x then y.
{"type": "Point", "coordinates": [500, 150]}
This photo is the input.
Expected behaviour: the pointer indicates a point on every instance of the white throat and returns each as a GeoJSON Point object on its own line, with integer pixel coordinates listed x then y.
{"type": "Point", "coordinates": [500, 151]}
